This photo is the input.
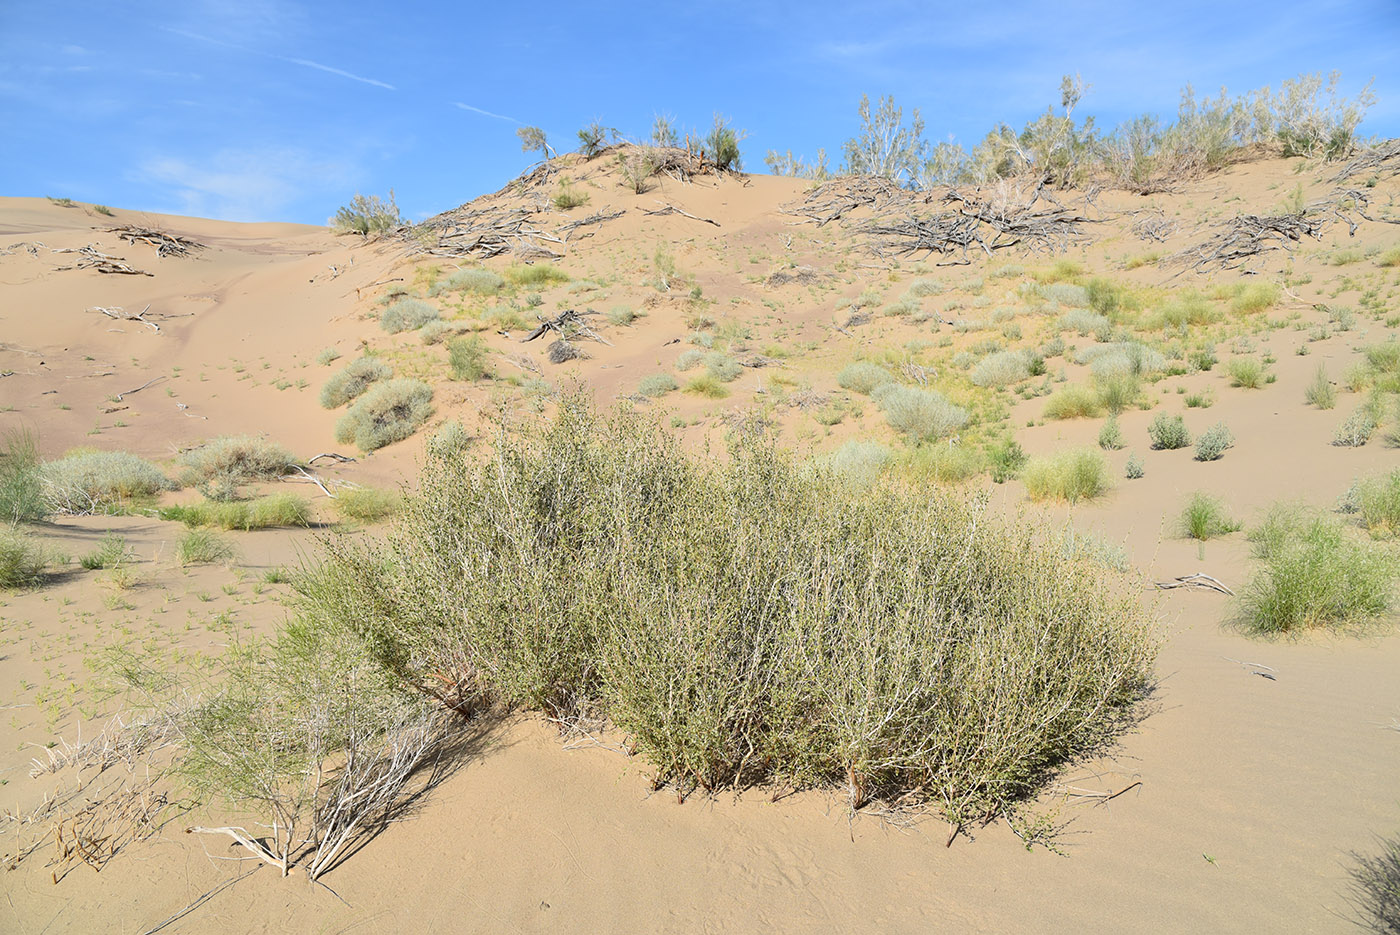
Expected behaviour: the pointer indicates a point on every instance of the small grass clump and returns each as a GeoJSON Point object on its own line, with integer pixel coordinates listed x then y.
{"type": "Point", "coordinates": [657, 384]}
{"type": "Point", "coordinates": [389, 412]}
{"type": "Point", "coordinates": [722, 367]}
{"type": "Point", "coordinates": [100, 482]}
{"type": "Point", "coordinates": [367, 504]}
{"type": "Point", "coordinates": [567, 197]}
{"type": "Point", "coordinates": [1073, 475]}
{"type": "Point", "coordinates": [1133, 469]}
{"type": "Point", "coordinates": [21, 479]}
{"type": "Point", "coordinates": [352, 380]}
{"type": "Point", "coordinates": [1245, 372]}
{"type": "Point", "coordinates": [1389, 258]}
{"type": "Point", "coordinates": [407, 315]}
{"type": "Point", "coordinates": [536, 275]}
{"type": "Point", "coordinates": [473, 281]}
{"type": "Point", "coordinates": [202, 546]}
{"type": "Point", "coordinates": [1320, 392]}
{"type": "Point", "coordinates": [1376, 503]}
{"type": "Point", "coordinates": [1314, 574]}
{"type": "Point", "coordinates": [923, 415]}
{"type": "Point", "coordinates": [1074, 402]}
{"type": "Point", "coordinates": [1168, 432]}
{"type": "Point", "coordinates": [1204, 517]}
{"type": "Point", "coordinates": [1213, 442]}
{"type": "Point", "coordinates": [327, 355]}
{"type": "Point", "coordinates": [1249, 298]}
{"type": "Point", "coordinates": [1375, 881]}
{"type": "Point", "coordinates": [746, 621]}
{"type": "Point", "coordinates": [110, 552]}
{"type": "Point", "coordinates": [274, 510]}
{"type": "Point", "coordinates": [706, 385]}
{"type": "Point", "coordinates": [469, 358]}
{"type": "Point", "coordinates": [22, 559]}
{"type": "Point", "coordinates": [863, 377]}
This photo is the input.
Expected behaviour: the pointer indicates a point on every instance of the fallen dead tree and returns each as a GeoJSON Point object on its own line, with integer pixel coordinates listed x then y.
{"type": "Point", "coordinates": [165, 244]}
{"type": "Point", "coordinates": [569, 325]}
{"type": "Point", "coordinates": [1381, 159]}
{"type": "Point", "coordinates": [91, 258]}
{"type": "Point", "coordinates": [1246, 236]}
{"type": "Point", "coordinates": [832, 200]}
{"type": "Point", "coordinates": [484, 233]}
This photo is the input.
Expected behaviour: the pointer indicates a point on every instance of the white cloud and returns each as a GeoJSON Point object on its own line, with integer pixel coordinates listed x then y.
{"type": "Point", "coordinates": [244, 185]}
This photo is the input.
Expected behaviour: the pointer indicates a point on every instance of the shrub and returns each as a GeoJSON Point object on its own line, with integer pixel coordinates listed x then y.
{"type": "Point", "coordinates": [281, 509]}
{"type": "Point", "coordinates": [722, 367]}
{"type": "Point", "coordinates": [352, 380]}
{"type": "Point", "coordinates": [203, 547]}
{"type": "Point", "coordinates": [99, 482]}
{"type": "Point", "coordinates": [1246, 372]}
{"type": "Point", "coordinates": [567, 197]}
{"type": "Point", "coordinates": [1253, 297]}
{"type": "Point", "coordinates": [924, 415]}
{"type": "Point", "coordinates": [327, 355]}
{"type": "Point", "coordinates": [863, 377]}
{"type": "Point", "coordinates": [622, 316]}
{"type": "Point", "coordinates": [942, 464]}
{"type": "Point", "coordinates": [1084, 321]}
{"type": "Point", "coordinates": [22, 559]}
{"type": "Point", "coordinates": [236, 459]}
{"type": "Point", "coordinates": [1356, 430]}
{"type": "Point", "coordinates": [1213, 442]}
{"type": "Point", "coordinates": [1314, 574]}
{"type": "Point", "coordinates": [1376, 501]}
{"type": "Point", "coordinates": [1182, 310]}
{"type": "Point", "coordinates": [407, 315]}
{"type": "Point", "coordinates": [689, 360]}
{"type": "Point", "coordinates": [1001, 369]}
{"type": "Point", "coordinates": [1117, 391]}
{"type": "Point", "coordinates": [1073, 402]}
{"type": "Point", "coordinates": [1168, 432]}
{"type": "Point", "coordinates": [1074, 475]}
{"type": "Point", "coordinates": [1375, 886]}
{"type": "Point", "coordinates": [1006, 460]}
{"type": "Point", "coordinates": [658, 384]}
{"type": "Point", "coordinates": [1389, 257]}
{"type": "Point", "coordinates": [860, 462]}
{"type": "Point", "coordinates": [110, 552]}
{"type": "Point", "coordinates": [388, 412]}
{"type": "Point", "coordinates": [1111, 436]}
{"type": "Point", "coordinates": [469, 358]}
{"type": "Point", "coordinates": [1204, 517]}
{"type": "Point", "coordinates": [1134, 467]}
{"type": "Point", "coordinates": [21, 479]}
{"type": "Point", "coordinates": [368, 214]}
{"type": "Point", "coordinates": [475, 281]}
{"type": "Point", "coordinates": [366, 504]}
{"type": "Point", "coordinates": [1320, 392]}
{"type": "Point", "coordinates": [721, 146]}
{"type": "Point", "coordinates": [449, 440]}
{"type": "Point", "coordinates": [746, 621]}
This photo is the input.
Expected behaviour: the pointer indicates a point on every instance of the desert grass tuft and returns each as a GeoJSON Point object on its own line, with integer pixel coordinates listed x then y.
{"type": "Point", "coordinates": [22, 559]}
{"type": "Point", "coordinates": [21, 479]}
{"type": "Point", "coordinates": [1074, 402]}
{"type": "Point", "coordinates": [203, 546]}
{"type": "Point", "coordinates": [367, 504]}
{"type": "Point", "coordinates": [1320, 392]}
{"type": "Point", "coordinates": [1205, 517]}
{"type": "Point", "coordinates": [281, 509]}
{"type": "Point", "coordinates": [1073, 475]}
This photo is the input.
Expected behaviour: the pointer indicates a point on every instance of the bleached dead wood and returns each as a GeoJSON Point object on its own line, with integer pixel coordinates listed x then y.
{"type": "Point", "coordinates": [166, 244]}
{"type": "Point", "coordinates": [672, 209]}
{"type": "Point", "coordinates": [1195, 580]}
{"type": "Point", "coordinates": [102, 262]}
{"type": "Point", "coordinates": [1382, 158]}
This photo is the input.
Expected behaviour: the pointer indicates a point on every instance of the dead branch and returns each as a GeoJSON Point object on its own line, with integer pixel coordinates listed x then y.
{"type": "Point", "coordinates": [1241, 238]}
{"type": "Point", "coordinates": [116, 313]}
{"type": "Point", "coordinates": [1383, 158]}
{"type": "Point", "coordinates": [596, 218]}
{"type": "Point", "coordinates": [1153, 226]}
{"type": "Point", "coordinates": [1196, 580]}
{"type": "Point", "coordinates": [119, 396]}
{"type": "Point", "coordinates": [165, 244]}
{"type": "Point", "coordinates": [832, 200]}
{"type": "Point", "coordinates": [340, 458]}
{"type": "Point", "coordinates": [672, 209]}
{"type": "Point", "coordinates": [102, 262]}
{"type": "Point", "coordinates": [568, 324]}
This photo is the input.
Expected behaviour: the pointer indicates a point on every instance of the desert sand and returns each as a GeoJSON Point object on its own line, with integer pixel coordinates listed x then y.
{"type": "Point", "coordinates": [1261, 765]}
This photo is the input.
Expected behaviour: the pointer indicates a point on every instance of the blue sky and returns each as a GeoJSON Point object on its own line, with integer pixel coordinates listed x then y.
{"type": "Point", "coordinates": [257, 110]}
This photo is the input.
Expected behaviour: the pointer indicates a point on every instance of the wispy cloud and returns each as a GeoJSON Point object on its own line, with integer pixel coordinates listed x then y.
{"type": "Point", "coordinates": [303, 62]}
{"type": "Point", "coordinates": [484, 113]}
{"type": "Point", "coordinates": [242, 185]}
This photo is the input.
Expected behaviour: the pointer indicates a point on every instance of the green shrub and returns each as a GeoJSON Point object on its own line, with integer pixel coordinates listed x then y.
{"type": "Point", "coordinates": [1213, 442]}
{"type": "Point", "coordinates": [281, 509]}
{"type": "Point", "coordinates": [1246, 372]}
{"type": "Point", "coordinates": [475, 281]}
{"type": "Point", "coordinates": [923, 415]}
{"type": "Point", "coordinates": [1073, 402]}
{"type": "Point", "coordinates": [1006, 459]}
{"type": "Point", "coordinates": [622, 316]}
{"type": "Point", "coordinates": [1253, 297]}
{"type": "Point", "coordinates": [1205, 517]}
{"type": "Point", "coordinates": [1134, 467]}
{"type": "Point", "coordinates": [236, 459]}
{"type": "Point", "coordinates": [537, 275]}
{"type": "Point", "coordinates": [1117, 391]}
{"type": "Point", "coordinates": [1389, 257]}
{"type": "Point", "coordinates": [706, 385]}
{"type": "Point", "coordinates": [368, 214]}
{"type": "Point", "coordinates": [1168, 432]}
{"type": "Point", "coordinates": [366, 504]}
{"type": "Point", "coordinates": [1314, 574]}
{"type": "Point", "coordinates": [1320, 392]}
{"type": "Point", "coordinates": [721, 146]}
{"type": "Point", "coordinates": [1376, 501]}
{"type": "Point", "coordinates": [1001, 369]}
{"type": "Point", "coordinates": [22, 559]}
{"type": "Point", "coordinates": [863, 377]}
{"type": "Point", "coordinates": [407, 315]}
{"type": "Point", "coordinates": [1073, 475]}
{"type": "Point", "coordinates": [450, 440]}
{"type": "Point", "coordinates": [203, 547]}
{"type": "Point", "coordinates": [1111, 436]}
{"type": "Point", "coordinates": [1356, 430]}
{"type": "Point", "coordinates": [352, 380]}
{"type": "Point", "coordinates": [110, 553]}
{"type": "Point", "coordinates": [658, 384]}
{"type": "Point", "coordinates": [941, 464]}
{"type": "Point", "coordinates": [469, 358]}
{"type": "Point", "coordinates": [745, 621]}
{"type": "Point", "coordinates": [21, 479]}
{"type": "Point", "coordinates": [1182, 310]}
{"type": "Point", "coordinates": [389, 412]}
{"type": "Point", "coordinates": [100, 482]}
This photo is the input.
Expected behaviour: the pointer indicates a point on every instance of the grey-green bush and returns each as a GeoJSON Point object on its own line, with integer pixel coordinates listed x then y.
{"type": "Point", "coordinates": [237, 459]}
{"type": "Point", "coordinates": [863, 377]}
{"type": "Point", "coordinates": [1213, 442]}
{"type": "Point", "coordinates": [353, 379]}
{"type": "Point", "coordinates": [1168, 432]}
{"type": "Point", "coordinates": [389, 412]}
{"type": "Point", "coordinates": [747, 621]}
{"type": "Point", "coordinates": [658, 384]}
{"type": "Point", "coordinates": [99, 482]}
{"type": "Point", "coordinates": [407, 315]}
{"type": "Point", "coordinates": [475, 281]}
{"type": "Point", "coordinates": [923, 415]}
{"type": "Point", "coordinates": [1002, 369]}
{"type": "Point", "coordinates": [469, 358]}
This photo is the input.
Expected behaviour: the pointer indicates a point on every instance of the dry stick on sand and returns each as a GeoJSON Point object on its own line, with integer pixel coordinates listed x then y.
{"type": "Point", "coordinates": [672, 209]}
{"type": "Point", "coordinates": [149, 382]}
{"type": "Point", "coordinates": [165, 244]}
{"type": "Point", "coordinates": [102, 262]}
{"type": "Point", "coordinates": [116, 313]}
{"type": "Point", "coordinates": [1195, 580]}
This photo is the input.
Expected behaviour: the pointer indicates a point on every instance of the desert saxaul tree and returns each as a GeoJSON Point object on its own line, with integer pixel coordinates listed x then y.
{"type": "Point", "coordinates": [534, 138]}
{"type": "Point", "coordinates": [885, 146]}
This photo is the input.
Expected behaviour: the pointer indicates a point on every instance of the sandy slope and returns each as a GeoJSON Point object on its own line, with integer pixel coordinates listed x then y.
{"type": "Point", "coordinates": [1252, 790]}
